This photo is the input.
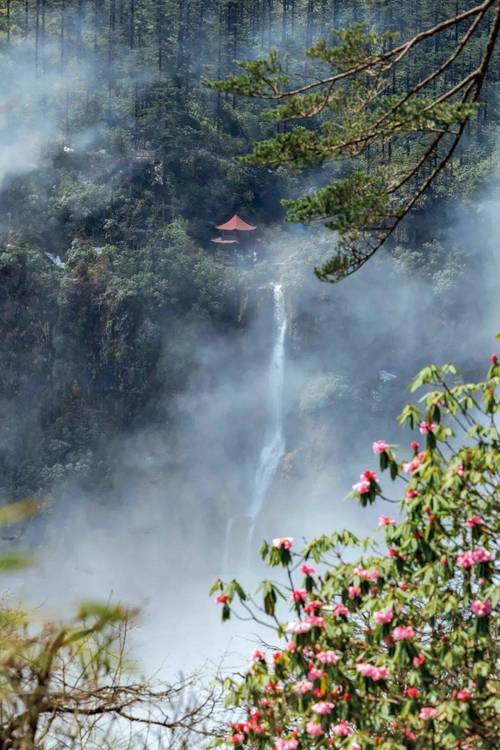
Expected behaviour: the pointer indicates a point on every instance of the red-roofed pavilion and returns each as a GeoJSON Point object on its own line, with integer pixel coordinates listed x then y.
{"type": "Point", "coordinates": [236, 224]}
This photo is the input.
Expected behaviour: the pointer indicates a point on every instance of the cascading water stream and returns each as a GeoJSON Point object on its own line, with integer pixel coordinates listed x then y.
{"type": "Point", "coordinates": [274, 445]}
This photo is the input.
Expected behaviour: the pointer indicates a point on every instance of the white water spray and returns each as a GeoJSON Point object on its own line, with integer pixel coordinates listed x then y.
{"type": "Point", "coordinates": [274, 445]}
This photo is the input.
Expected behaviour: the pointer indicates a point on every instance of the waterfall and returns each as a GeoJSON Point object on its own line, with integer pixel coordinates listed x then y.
{"type": "Point", "coordinates": [274, 443]}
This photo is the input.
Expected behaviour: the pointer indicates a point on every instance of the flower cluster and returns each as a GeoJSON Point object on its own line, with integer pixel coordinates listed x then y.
{"type": "Point", "coordinates": [386, 521]}
{"type": "Point", "coordinates": [283, 542]}
{"type": "Point", "coordinates": [425, 427]}
{"type": "Point", "coordinates": [475, 557]}
{"type": "Point", "coordinates": [474, 521]}
{"type": "Point", "coordinates": [380, 446]}
{"type": "Point", "coordinates": [367, 575]}
{"type": "Point", "coordinates": [367, 480]}
{"type": "Point", "coordinates": [410, 467]}
{"type": "Point", "coordinates": [372, 672]}
{"type": "Point", "coordinates": [403, 633]}
{"type": "Point", "coordinates": [384, 616]}
{"type": "Point", "coordinates": [481, 608]}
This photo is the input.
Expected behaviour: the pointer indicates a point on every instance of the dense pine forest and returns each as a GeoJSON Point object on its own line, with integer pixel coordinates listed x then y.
{"type": "Point", "coordinates": [119, 161]}
{"type": "Point", "coordinates": [170, 395]}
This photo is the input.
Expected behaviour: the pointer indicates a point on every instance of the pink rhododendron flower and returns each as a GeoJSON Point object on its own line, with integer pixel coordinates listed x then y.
{"type": "Point", "coordinates": [374, 673]}
{"type": "Point", "coordinates": [299, 595]}
{"type": "Point", "coordinates": [327, 657]}
{"type": "Point", "coordinates": [425, 427]}
{"type": "Point", "coordinates": [459, 470]}
{"type": "Point", "coordinates": [342, 729]}
{"type": "Point", "coordinates": [411, 736]}
{"type": "Point", "coordinates": [316, 622]}
{"type": "Point", "coordinates": [238, 739]}
{"type": "Point", "coordinates": [468, 559]}
{"type": "Point", "coordinates": [298, 627]}
{"type": "Point", "coordinates": [367, 575]}
{"type": "Point", "coordinates": [362, 487]}
{"type": "Point", "coordinates": [365, 669]}
{"type": "Point", "coordinates": [494, 359]}
{"type": "Point", "coordinates": [282, 744]}
{"type": "Point", "coordinates": [383, 616]}
{"type": "Point", "coordinates": [303, 687]}
{"type": "Point", "coordinates": [380, 446]}
{"type": "Point", "coordinates": [386, 521]}
{"type": "Point", "coordinates": [463, 695]}
{"type": "Point", "coordinates": [481, 608]}
{"type": "Point", "coordinates": [403, 633]}
{"type": "Point", "coordinates": [418, 660]}
{"type": "Point", "coordinates": [315, 730]}
{"type": "Point", "coordinates": [312, 606]}
{"type": "Point", "coordinates": [222, 599]}
{"type": "Point", "coordinates": [253, 724]}
{"type": "Point", "coordinates": [258, 655]}
{"type": "Point", "coordinates": [315, 674]}
{"type": "Point", "coordinates": [307, 570]}
{"type": "Point", "coordinates": [464, 560]}
{"type": "Point", "coordinates": [238, 726]}
{"type": "Point", "coordinates": [410, 493]}
{"type": "Point", "coordinates": [480, 555]}
{"type": "Point", "coordinates": [474, 521]}
{"type": "Point", "coordinates": [283, 542]}
{"type": "Point", "coordinates": [392, 552]}
{"type": "Point", "coordinates": [354, 591]}
{"type": "Point", "coordinates": [323, 708]}
{"type": "Point", "coordinates": [340, 610]}
{"type": "Point", "coordinates": [410, 467]}
{"type": "Point", "coordinates": [273, 687]}
{"type": "Point", "coordinates": [427, 713]}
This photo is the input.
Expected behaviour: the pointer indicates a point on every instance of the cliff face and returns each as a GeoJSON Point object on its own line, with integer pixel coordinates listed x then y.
{"type": "Point", "coordinates": [99, 347]}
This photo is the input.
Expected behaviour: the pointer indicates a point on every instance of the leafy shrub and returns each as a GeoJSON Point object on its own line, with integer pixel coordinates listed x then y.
{"type": "Point", "coordinates": [395, 649]}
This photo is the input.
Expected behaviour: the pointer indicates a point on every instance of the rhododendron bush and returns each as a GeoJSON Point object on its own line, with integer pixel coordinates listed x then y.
{"type": "Point", "coordinates": [395, 649]}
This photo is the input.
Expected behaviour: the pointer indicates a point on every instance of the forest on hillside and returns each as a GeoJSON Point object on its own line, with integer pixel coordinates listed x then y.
{"type": "Point", "coordinates": [119, 161]}
{"type": "Point", "coordinates": [172, 392]}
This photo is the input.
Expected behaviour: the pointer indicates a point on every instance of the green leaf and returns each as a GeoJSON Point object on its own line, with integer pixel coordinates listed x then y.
{"type": "Point", "coordinates": [19, 511]}
{"type": "Point", "coordinates": [12, 562]}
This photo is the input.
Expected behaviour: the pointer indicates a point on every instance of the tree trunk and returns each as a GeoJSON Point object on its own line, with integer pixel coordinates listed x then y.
{"type": "Point", "coordinates": [131, 30]}
{"type": "Point", "coordinates": [62, 35]}
{"type": "Point", "coordinates": [37, 36]}
{"type": "Point", "coordinates": [159, 34]}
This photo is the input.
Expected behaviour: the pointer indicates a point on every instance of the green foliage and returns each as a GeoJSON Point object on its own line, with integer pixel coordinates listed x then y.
{"type": "Point", "coordinates": [385, 115]}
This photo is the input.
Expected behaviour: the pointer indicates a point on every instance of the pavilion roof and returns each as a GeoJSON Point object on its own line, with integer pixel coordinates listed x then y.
{"type": "Point", "coordinates": [236, 224]}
